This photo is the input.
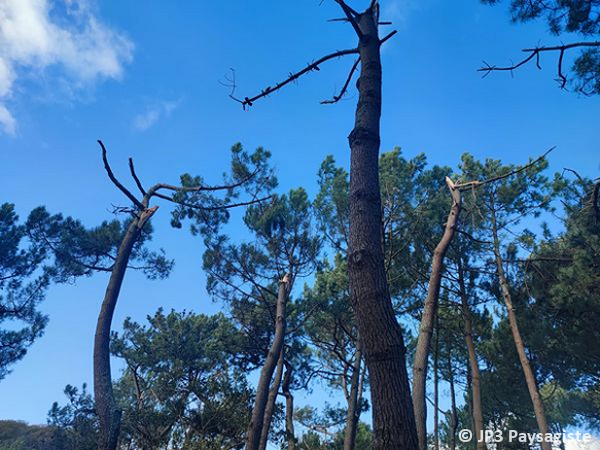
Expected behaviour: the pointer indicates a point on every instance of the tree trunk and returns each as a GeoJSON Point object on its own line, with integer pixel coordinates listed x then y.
{"type": "Point", "coordinates": [436, 393]}
{"type": "Point", "coordinates": [353, 413]}
{"type": "Point", "coordinates": [271, 402]}
{"type": "Point", "coordinates": [473, 363]}
{"type": "Point", "coordinates": [453, 412]}
{"type": "Point", "coordinates": [266, 374]}
{"type": "Point", "coordinates": [109, 415]}
{"type": "Point", "coordinates": [429, 313]}
{"type": "Point", "coordinates": [289, 407]}
{"type": "Point", "coordinates": [538, 406]}
{"type": "Point", "coordinates": [385, 354]}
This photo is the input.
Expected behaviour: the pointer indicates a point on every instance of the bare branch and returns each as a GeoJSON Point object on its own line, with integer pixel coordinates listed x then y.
{"type": "Point", "coordinates": [211, 208]}
{"type": "Point", "coordinates": [351, 15]}
{"type": "Point", "coordinates": [116, 182]}
{"type": "Point", "coordinates": [535, 53]}
{"type": "Point", "coordinates": [388, 36]}
{"type": "Point", "coordinates": [472, 184]}
{"type": "Point", "coordinates": [337, 98]}
{"type": "Point", "coordinates": [249, 101]}
{"type": "Point", "coordinates": [135, 177]}
{"type": "Point", "coordinates": [222, 187]}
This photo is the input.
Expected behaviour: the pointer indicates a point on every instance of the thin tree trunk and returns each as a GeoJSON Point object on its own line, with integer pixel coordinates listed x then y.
{"type": "Point", "coordinates": [473, 363]}
{"type": "Point", "coordinates": [271, 402]}
{"type": "Point", "coordinates": [289, 407]}
{"type": "Point", "coordinates": [436, 393]}
{"type": "Point", "coordinates": [385, 353]}
{"type": "Point", "coordinates": [262, 390]}
{"type": "Point", "coordinates": [109, 415]}
{"type": "Point", "coordinates": [353, 412]}
{"type": "Point", "coordinates": [429, 313]}
{"type": "Point", "coordinates": [453, 412]}
{"type": "Point", "coordinates": [538, 406]}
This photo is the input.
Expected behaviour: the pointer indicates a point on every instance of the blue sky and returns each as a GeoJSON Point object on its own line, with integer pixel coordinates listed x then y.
{"type": "Point", "coordinates": [144, 77]}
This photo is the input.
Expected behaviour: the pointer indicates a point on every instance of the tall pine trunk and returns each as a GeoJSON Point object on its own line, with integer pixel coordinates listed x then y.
{"type": "Point", "coordinates": [353, 413]}
{"type": "Point", "coordinates": [109, 415]}
{"type": "Point", "coordinates": [266, 374]}
{"type": "Point", "coordinates": [385, 353]}
{"type": "Point", "coordinates": [453, 411]}
{"type": "Point", "coordinates": [290, 434]}
{"type": "Point", "coordinates": [536, 399]}
{"type": "Point", "coordinates": [429, 312]}
{"type": "Point", "coordinates": [271, 402]}
{"type": "Point", "coordinates": [473, 363]}
{"type": "Point", "coordinates": [436, 387]}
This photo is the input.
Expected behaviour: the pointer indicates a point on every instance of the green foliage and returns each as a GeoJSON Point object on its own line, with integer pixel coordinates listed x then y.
{"type": "Point", "coordinates": [81, 251]}
{"type": "Point", "coordinates": [54, 249]}
{"type": "Point", "coordinates": [76, 421]}
{"type": "Point", "coordinates": [249, 173]}
{"type": "Point", "coordinates": [23, 283]}
{"type": "Point", "coordinates": [415, 204]}
{"type": "Point", "coordinates": [184, 385]}
{"type": "Point", "coordinates": [567, 16]}
{"type": "Point", "coordinates": [571, 16]}
{"type": "Point", "coordinates": [16, 435]}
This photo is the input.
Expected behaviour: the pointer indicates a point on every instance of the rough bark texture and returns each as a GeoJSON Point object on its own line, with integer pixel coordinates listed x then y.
{"type": "Point", "coordinates": [353, 413]}
{"type": "Point", "coordinates": [266, 374]}
{"type": "Point", "coordinates": [108, 414]}
{"type": "Point", "coordinates": [385, 353]}
{"type": "Point", "coordinates": [429, 311]}
{"type": "Point", "coordinates": [538, 406]}
{"type": "Point", "coordinates": [271, 402]}
{"type": "Point", "coordinates": [290, 434]}
{"type": "Point", "coordinates": [473, 363]}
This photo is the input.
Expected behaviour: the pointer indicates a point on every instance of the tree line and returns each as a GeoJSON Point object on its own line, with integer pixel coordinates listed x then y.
{"type": "Point", "coordinates": [466, 254]}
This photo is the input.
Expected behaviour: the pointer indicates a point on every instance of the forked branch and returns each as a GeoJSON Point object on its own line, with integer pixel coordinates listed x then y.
{"type": "Point", "coordinates": [535, 53]}
{"type": "Point", "coordinates": [147, 195]}
{"type": "Point", "coordinates": [116, 182]}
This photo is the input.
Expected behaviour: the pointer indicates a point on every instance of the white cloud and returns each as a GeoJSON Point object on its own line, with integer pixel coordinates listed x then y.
{"type": "Point", "coordinates": [594, 444]}
{"type": "Point", "coordinates": [35, 35]}
{"type": "Point", "coordinates": [7, 121]}
{"type": "Point", "coordinates": [398, 11]}
{"type": "Point", "coordinates": [153, 113]}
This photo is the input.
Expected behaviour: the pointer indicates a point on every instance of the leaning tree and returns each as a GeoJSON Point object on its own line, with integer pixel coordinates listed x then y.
{"type": "Point", "coordinates": [192, 194]}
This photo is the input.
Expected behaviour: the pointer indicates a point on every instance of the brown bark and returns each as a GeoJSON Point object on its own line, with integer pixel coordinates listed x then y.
{"type": "Point", "coordinates": [429, 313]}
{"type": "Point", "coordinates": [353, 413]}
{"type": "Point", "coordinates": [108, 414]}
{"type": "Point", "coordinates": [538, 406]}
{"type": "Point", "coordinates": [289, 407]}
{"type": "Point", "coordinates": [262, 390]}
{"type": "Point", "coordinates": [476, 410]}
{"type": "Point", "coordinates": [436, 393]}
{"type": "Point", "coordinates": [453, 412]}
{"type": "Point", "coordinates": [385, 354]}
{"type": "Point", "coordinates": [271, 402]}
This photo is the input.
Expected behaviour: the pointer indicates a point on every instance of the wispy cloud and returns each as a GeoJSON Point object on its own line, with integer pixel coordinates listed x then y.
{"type": "Point", "coordinates": [399, 11]}
{"type": "Point", "coordinates": [38, 34]}
{"type": "Point", "coordinates": [153, 114]}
